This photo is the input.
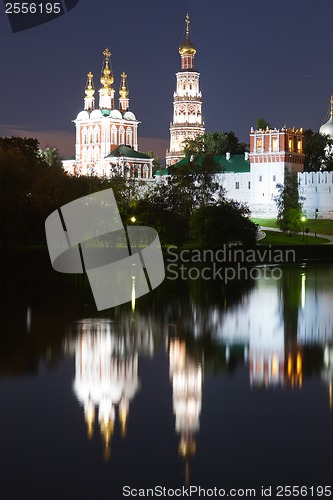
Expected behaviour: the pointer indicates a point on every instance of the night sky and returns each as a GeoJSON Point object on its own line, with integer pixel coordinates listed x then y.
{"type": "Point", "coordinates": [256, 58]}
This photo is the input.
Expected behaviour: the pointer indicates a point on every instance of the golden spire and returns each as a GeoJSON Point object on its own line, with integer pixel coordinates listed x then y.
{"type": "Point", "coordinates": [90, 419]}
{"type": "Point", "coordinates": [106, 77]}
{"type": "Point", "coordinates": [123, 92]}
{"type": "Point", "coordinates": [90, 91]}
{"type": "Point", "coordinates": [123, 414]}
{"type": "Point", "coordinates": [106, 428]}
{"type": "Point", "coordinates": [187, 48]}
{"type": "Point", "coordinates": [331, 102]}
{"type": "Point", "coordinates": [187, 21]}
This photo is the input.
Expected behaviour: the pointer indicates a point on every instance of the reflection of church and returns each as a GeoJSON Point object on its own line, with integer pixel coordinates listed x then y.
{"type": "Point", "coordinates": [106, 375]}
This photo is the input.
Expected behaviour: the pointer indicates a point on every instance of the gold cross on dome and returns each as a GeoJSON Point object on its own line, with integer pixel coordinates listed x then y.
{"type": "Point", "coordinates": [187, 21]}
{"type": "Point", "coordinates": [107, 53]}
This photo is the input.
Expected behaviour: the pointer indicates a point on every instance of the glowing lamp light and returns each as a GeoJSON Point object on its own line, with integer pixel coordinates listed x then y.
{"type": "Point", "coordinates": [133, 219]}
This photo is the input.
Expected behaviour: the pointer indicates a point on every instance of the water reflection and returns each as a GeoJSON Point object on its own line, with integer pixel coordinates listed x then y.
{"type": "Point", "coordinates": [269, 341]}
{"type": "Point", "coordinates": [106, 374]}
{"type": "Point", "coordinates": [186, 379]}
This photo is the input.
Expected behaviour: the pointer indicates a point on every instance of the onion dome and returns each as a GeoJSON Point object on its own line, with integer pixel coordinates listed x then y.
{"type": "Point", "coordinates": [90, 91]}
{"type": "Point", "coordinates": [187, 47]}
{"type": "Point", "coordinates": [106, 77]}
{"type": "Point", "coordinates": [327, 128]}
{"type": "Point", "coordinates": [123, 92]}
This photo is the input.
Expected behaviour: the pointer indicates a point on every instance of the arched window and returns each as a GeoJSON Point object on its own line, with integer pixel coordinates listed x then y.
{"type": "Point", "coordinates": [96, 153]}
{"type": "Point", "coordinates": [114, 135]}
{"type": "Point", "coordinates": [90, 154]}
{"type": "Point", "coordinates": [129, 136]}
{"type": "Point", "coordinates": [84, 154]}
{"type": "Point", "coordinates": [121, 135]}
{"type": "Point", "coordinates": [84, 136]}
{"type": "Point", "coordinates": [96, 134]}
{"type": "Point", "coordinates": [90, 134]}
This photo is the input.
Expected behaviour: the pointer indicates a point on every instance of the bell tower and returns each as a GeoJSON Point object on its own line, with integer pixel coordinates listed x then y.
{"type": "Point", "coordinates": [187, 119]}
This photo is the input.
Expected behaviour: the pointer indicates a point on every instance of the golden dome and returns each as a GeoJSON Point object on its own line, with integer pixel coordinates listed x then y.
{"type": "Point", "coordinates": [106, 78]}
{"type": "Point", "coordinates": [90, 91]}
{"type": "Point", "coordinates": [187, 48]}
{"type": "Point", "coordinates": [123, 92]}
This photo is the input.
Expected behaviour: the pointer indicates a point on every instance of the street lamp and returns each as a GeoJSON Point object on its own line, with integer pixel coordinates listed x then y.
{"type": "Point", "coordinates": [303, 219]}
{"type": "Point", "coordinates": [133, 219]}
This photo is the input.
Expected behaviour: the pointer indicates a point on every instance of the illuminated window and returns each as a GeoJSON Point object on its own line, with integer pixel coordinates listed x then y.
{"type": "Point", "coordinates": [290, 144]}
{"type": "Point", "coordinates": [275, 144]}
{"type": "Point", "coordinates": [96, 134]}
{"type": "Point", "coordinates": [114, 135]}
{"type": "Point", "coordinates": [90, 135]}
{"type": "Point", "coordinates": [299, 146]}
{"type": "Point", "coordinates": [259, 143]}
{"type": "Point", "coordinates": [84, 136]}
{"type": "Point", "coordinates": [121, 135]}
{"type": "Point", "coordinates": [129, 136]}
{"type": "Point", "coordinates": [90, 154]}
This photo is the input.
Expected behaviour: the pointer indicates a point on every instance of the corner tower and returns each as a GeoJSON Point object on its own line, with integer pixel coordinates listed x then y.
{"type": "Point", "coordinates": [187, 119]}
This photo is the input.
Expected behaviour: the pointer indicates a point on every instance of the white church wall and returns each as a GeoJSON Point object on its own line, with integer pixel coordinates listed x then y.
{"type": "Point", "coordinates": [317, 190]}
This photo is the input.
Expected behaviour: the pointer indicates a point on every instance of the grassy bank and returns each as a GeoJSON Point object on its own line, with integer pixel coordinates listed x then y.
{"type": "Point", "coordinates": [275, 238]}
{"type": "Point", "coordinates": [320, 226]}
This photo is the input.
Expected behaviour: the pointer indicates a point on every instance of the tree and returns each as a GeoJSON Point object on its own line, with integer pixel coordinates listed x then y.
{"type": "Point", "coordinates": [214, 226]}
{"type": "Point", "coordinates": [156, 161]}
{"type": "Point", "coordinates": [318, 153]}
{"type": "Point", "coordinates": [261, 124]}
{"type": "Point", "coordinates": [172, 228]}
{"type": "Point", "coordinates": [51, 157]}
{"type": "Point", "coordinates": [289, 204]}
{"type": "Point", "coordinates": [214, 144]}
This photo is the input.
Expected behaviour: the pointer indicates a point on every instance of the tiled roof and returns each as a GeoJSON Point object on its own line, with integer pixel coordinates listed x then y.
{"type": "Point", "coordinates": [236, 163]}
{"type": "Point", "coordinates": [127, 152]}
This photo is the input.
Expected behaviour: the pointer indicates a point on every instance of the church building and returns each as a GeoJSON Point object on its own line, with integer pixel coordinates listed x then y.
{"type": "Point", "coordinates": [106, 142]}
{"type": "Point", "coordinates": [254, 177]}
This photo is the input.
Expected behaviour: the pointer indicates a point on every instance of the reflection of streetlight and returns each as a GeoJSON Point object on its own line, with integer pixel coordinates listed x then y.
{"type": "Point", "coordinates": [303, 219]}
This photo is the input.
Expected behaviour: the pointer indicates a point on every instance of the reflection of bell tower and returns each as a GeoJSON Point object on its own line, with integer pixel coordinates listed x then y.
{"type": "Point", "coordinates": [294, 375]}
{"type": "Point", "coordinates": [186, 376]}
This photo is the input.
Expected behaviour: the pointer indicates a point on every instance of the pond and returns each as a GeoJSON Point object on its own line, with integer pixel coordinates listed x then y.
{"type": "Point", "coordinates": [197, 384]}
